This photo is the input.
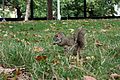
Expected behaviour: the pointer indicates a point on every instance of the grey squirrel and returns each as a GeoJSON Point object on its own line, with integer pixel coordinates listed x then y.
{"type": "Point", "coordinates": [71, 44]}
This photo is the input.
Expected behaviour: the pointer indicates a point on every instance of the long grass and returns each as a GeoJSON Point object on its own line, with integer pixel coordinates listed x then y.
{"type": "Point", "coordinates": [18, 39]}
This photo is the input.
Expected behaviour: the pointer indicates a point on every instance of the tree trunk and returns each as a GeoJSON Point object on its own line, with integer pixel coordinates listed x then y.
{"type": "Point", "coordinates": [31, 7]}
{"type": "Point", "coordinates": [85, 14]}
{"type": "Point", "coordinates": [49, 15]}
{"type": "Point", "coordinates": [3, 3]}
{"type": "Point", "coordinates": [27, 13]}
{"type": "Point", "coordinates": [19, 13]}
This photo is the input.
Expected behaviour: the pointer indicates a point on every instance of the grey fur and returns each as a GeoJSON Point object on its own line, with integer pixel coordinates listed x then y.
{"type": "Point", "coordinates": [73, 43]}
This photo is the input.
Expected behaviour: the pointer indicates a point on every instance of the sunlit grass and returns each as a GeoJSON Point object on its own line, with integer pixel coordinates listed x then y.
{"type": "Point", "coordinates": [18, 39]}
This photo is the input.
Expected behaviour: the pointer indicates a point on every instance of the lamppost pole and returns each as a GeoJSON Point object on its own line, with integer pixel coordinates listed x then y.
{"type": "Point", "coordinates": [58, 10]}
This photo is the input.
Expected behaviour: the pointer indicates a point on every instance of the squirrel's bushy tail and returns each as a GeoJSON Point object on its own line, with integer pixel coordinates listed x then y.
{"type": "Point", "coordinates": [79, 37]}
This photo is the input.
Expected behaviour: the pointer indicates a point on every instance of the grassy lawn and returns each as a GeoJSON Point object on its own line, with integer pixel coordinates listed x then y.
{"type": "Point", "coordinates": [19, 39]}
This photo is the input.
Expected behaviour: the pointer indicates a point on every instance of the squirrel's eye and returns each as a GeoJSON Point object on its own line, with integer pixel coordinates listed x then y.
{"type": "Point", "coordinates": [56, 35]}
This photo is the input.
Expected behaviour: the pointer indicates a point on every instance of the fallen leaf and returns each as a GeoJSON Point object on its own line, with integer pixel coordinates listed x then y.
{"type": "Point", "coordinates": [13, 78]}
{"type": "Point", "coordinates": [46, 30]}
{"type": "Point", "coordinates": [67, 78]}
{"type": "Point", "coordinates": [10, 26]}
{"type": "Point", "coordinates": [5, 35]}
{"type": "Point", "coordinates": [36, 35]}
{"type": "Point", "coordinates": [28, 43]}
{"type": "Point", "coordinates": [0, 41]}
{"type": "Point", "coordinates": [88, 78]}
{"type": "Point", "coordinates": [1, 69]}
{"type": "Point", "coordinates": [19, 73]}
{"type": "Point", "coordinates": [63, 22]}
{"type": "Point", "coordinates": [90, 57]}
{"type": "Point", "coordinates": [115, 75]}
{"type": "Point", "coordinates": [55, 61]}
{"type": "Point", "coordinates": [86, 21]}
{"type": "Point", "coordinates": [36, 41]}
{"type": "Point", "coordinates": [38, 49]}
{"type": "Point", "coordinates": [103, 30]}
{"type": "Point", "coordinates": [24, 76]}
{"type": "Point", "coordinates": [71, 30]}
{"type": "Point", "coordinates": [18, 40]}
{"type": "Point", "coordinates": [98, 43]}
{"type": "Point", "coordinates": [39, 58]}
{"type": "Point", "coordinates": [107, 26]}
{"type": "Point", "coordinates": [6, 70]}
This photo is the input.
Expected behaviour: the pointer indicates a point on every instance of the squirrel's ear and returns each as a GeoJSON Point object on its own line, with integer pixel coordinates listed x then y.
{"type": "Point", "coordinates": [60, 35]}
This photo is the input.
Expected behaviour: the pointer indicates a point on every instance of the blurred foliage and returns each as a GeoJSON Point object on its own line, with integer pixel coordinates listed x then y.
{"type": "Point", "coordinates": [101, 7]}
{"type": "Point", "coordinates": [73, 8]}
{"type": "Point", "coordinates": [40, 8]}
{"type": "Point", "coordinates": [9, 6]}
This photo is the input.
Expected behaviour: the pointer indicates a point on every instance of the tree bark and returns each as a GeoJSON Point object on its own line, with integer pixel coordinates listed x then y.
{"type": "Point", "coordinates": [3, 3]}
{"type": "Point", "coordinates": [19, 13]}
{"type": "Point", "coordinates": [31, 7]}
{"type": "Point", "coordinates": [49, 15]}
{"type": "Point", "coordinates": [85, 14]}
{"type": "Point", "coordinates": [27, 14]}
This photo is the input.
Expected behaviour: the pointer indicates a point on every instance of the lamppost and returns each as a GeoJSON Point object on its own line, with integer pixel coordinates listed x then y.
{"type": "Point", "coordinates": [3, 2]}
{"type": "Point", "coordinates": [58, 10]}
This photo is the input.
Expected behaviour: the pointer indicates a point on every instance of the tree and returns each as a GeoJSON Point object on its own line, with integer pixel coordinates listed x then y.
{"type": "Point", "coordinates": [69, 8]}
{"type": "Point", "coordinates": [101, 7]}
{"type": "Point", "coordinates": [27, 14]}
{"type": "Point", "coordinates": [13, 4]}
{"type": "Point", "coordinates": [73, 8]}
{"type": "Point", "coordinates": [49, 15]}
{"type": "Point", "coordinates": [40, 8]}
